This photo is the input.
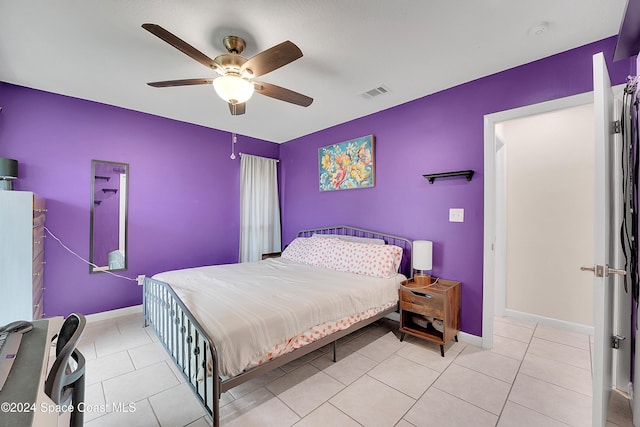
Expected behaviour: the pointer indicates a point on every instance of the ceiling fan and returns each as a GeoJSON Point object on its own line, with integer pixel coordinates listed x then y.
{"type": "Point", "coordinates": [235, 82]}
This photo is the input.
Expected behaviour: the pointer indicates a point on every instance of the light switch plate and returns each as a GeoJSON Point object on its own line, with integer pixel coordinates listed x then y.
{"type": "Point", "coordinates": [456, 215]}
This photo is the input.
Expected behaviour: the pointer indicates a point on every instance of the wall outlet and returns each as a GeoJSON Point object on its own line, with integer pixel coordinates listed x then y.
{"type": "Point", "coordinates": [456, 215]}
{"type": "Point", "coordinates": [140, 279]}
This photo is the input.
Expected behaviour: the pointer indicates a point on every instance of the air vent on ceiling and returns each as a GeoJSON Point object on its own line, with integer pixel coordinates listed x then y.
{"type": "Point", "coordinates": [372, 93]}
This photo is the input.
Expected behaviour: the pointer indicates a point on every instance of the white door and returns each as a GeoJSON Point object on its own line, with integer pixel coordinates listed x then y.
{"type": "Point", "coordinates": [604, 243]}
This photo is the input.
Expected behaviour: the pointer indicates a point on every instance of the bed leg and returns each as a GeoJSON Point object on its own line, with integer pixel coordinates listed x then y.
{"type": "Point", "coordinates": [216, 417]}
{"type": "Point", "coordinates": [144, 307]}
{"type": "Point", "coordinates": [335, 351]}
{"type": "Point", "coordinates": [216, 397]}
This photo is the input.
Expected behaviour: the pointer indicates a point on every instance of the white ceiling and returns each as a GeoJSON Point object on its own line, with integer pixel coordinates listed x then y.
{"type": "Point", "coordinates": [97, 50]}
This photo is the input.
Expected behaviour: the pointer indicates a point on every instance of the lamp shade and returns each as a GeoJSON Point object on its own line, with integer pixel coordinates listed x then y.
{"type": "Point", "coordinates": [8, 168]}
{"type": "Point", "coordinates": [422, 258]}
{"type": "Point", "coordinates": [233, 89]}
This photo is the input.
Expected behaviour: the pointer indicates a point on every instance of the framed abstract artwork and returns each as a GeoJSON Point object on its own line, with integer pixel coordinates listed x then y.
{"type": "Point", "coordinates": [347, 165]}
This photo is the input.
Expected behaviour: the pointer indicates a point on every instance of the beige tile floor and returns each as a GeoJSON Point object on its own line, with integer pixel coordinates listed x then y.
{"type": "Point", "coordinates": [535, 376]}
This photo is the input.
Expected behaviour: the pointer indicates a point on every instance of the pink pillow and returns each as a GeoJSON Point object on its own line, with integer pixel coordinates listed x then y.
{"type": "Point", "coordinates": [360, 258]}
{"type": "Point", "coordinates": [299, 250]}
{"type": "Point", "coordinates": [365, 258]}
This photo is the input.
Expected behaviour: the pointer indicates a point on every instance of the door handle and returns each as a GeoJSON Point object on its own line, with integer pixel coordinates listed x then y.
{"type": "Point", "coordinates": [603, 270]}
{"type": "Point", "coordinates": [616, 271]}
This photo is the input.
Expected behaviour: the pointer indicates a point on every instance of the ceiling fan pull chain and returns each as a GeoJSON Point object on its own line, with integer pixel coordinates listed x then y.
{"type": "Point", "coordinates": [234, 139]}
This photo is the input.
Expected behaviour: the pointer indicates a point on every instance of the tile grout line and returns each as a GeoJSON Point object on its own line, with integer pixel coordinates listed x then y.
{"type": "Point", "coordinates": [556, 385]}
{"type": "Point", "coordinates": [517, 372]}
{"type": "Point", "coordinates": [344, 413]}
{"type": "Point", "coordinates": [430, 386]}
{"type": "Point", "coordinates": [152, 410]}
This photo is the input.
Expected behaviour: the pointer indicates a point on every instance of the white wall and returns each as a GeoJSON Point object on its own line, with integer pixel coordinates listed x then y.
{"type": "Point", "coordinates": [549, 204]}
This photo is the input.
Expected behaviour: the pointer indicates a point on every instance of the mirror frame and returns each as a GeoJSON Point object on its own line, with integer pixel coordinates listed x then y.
{"type": "Point", "coordinates": [123, 223]}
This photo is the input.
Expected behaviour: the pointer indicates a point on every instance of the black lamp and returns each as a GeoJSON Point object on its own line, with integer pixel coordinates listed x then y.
{"type": "Point", "coordinates": [8, 172]}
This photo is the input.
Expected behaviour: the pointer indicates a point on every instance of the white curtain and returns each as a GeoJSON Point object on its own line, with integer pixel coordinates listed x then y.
{"type": "Point", "coordinates": [259, 207]}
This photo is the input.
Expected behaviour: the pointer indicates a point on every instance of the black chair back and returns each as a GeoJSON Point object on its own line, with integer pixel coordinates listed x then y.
{"type": "Point", "coordinates": [65, 383]}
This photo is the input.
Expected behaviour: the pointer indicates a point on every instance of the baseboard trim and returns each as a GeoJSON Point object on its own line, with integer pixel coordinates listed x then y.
{"type": "Point", "coordinates": [547, 321]}
{"type": "Point", "coordinates": [112, 314]}
{"type": "Point", "coordinates": [470, 339]}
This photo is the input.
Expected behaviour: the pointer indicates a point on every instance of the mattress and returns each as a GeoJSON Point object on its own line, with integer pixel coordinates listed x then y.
{"type": "Point", "coordinates": [248, 309]}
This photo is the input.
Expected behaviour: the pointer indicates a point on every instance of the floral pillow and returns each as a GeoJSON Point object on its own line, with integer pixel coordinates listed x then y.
{"type": "Point", "coordinates": [365, 258]}
{"type": "Point", "coordinates": [320, 251]}
{"type": "Point", "coordinates": [359, 258]}
{"type": "Point", "coordinates": [299, 250]}
{"type": "Point", "coordinates": [351, 238]}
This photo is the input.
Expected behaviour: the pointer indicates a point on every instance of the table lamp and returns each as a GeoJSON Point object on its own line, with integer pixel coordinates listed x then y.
{"type": "Point", "coordinates": [8, 172]}
{"type": "Point", "coordinates": [422, 258]}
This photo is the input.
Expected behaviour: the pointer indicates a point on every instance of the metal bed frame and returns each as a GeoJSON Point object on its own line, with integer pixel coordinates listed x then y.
{"type": "Point", "coordinates": [192, 350]}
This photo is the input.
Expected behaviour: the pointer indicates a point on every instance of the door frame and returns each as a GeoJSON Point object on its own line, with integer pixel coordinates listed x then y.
{"type": "Point", "coordinates": [493, 267]}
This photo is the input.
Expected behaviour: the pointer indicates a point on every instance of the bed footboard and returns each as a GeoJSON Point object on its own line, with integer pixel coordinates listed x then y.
{"type": "Point", "coordinates": [185, 341]}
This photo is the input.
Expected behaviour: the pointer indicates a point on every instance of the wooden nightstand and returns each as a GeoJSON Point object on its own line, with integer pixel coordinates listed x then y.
{"type": "Point", "coordinates": [423, 296]}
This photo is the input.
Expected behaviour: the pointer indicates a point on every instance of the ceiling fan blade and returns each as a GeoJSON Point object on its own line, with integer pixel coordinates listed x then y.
{"type": "Point", "coordinates": [272, 59]}
{"type": "Point", "coordinates": [184, 82]}
{"type": "Point", "coordinates": [237, 109]}
{"type": "Point", "coordinates": [282, 94]}
{"type": "Point", "coordinates": [180, 44]}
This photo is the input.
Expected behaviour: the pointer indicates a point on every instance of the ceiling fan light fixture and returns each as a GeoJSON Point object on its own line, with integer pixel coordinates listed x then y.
{"type": "Point", "coordinates": [233, 89]}
{"type": "Point", "coordinates": [234, 84]}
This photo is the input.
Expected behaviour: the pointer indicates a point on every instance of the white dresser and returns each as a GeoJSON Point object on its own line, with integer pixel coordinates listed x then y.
{"type": "Point", "coordinates": [22, 216]}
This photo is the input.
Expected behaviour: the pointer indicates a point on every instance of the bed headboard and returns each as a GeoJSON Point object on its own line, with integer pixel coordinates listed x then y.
{"type": "Point", "coordinates": [344, 230]}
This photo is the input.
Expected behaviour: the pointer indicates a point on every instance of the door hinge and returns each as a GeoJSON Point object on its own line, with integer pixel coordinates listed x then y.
{"type": "Point", "coordinates": [617, 127]}
{"type": "Point", "coordinates": [615, 341]}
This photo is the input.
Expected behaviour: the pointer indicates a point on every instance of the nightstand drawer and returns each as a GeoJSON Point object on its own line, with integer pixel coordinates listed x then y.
{"type": "Point", "coordinates": [429, 304]}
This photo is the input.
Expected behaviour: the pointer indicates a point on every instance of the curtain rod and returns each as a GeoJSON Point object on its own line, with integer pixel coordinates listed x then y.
{"type": "Point", "coordinates": [270, 158]}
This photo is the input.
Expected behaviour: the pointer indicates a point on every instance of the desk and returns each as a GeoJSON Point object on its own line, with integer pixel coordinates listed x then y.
{"type": "Point", "coordinates": [25, 383]}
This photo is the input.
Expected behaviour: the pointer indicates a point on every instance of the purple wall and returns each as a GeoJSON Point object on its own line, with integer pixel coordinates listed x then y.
{"type": "Point", "coordinates": [184, 201]}
{"type": "Point", "coordinates": [184, 190]}
{"type": "Point", "coordinates": [438, 133]}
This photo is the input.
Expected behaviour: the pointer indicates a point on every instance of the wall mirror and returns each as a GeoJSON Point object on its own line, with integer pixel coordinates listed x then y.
{"type": "Point", "coordinates": [109, 193]}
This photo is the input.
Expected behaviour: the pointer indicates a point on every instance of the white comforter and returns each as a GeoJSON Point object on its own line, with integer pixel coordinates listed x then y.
{"type": "Point", "coordinates": [248, 308]}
